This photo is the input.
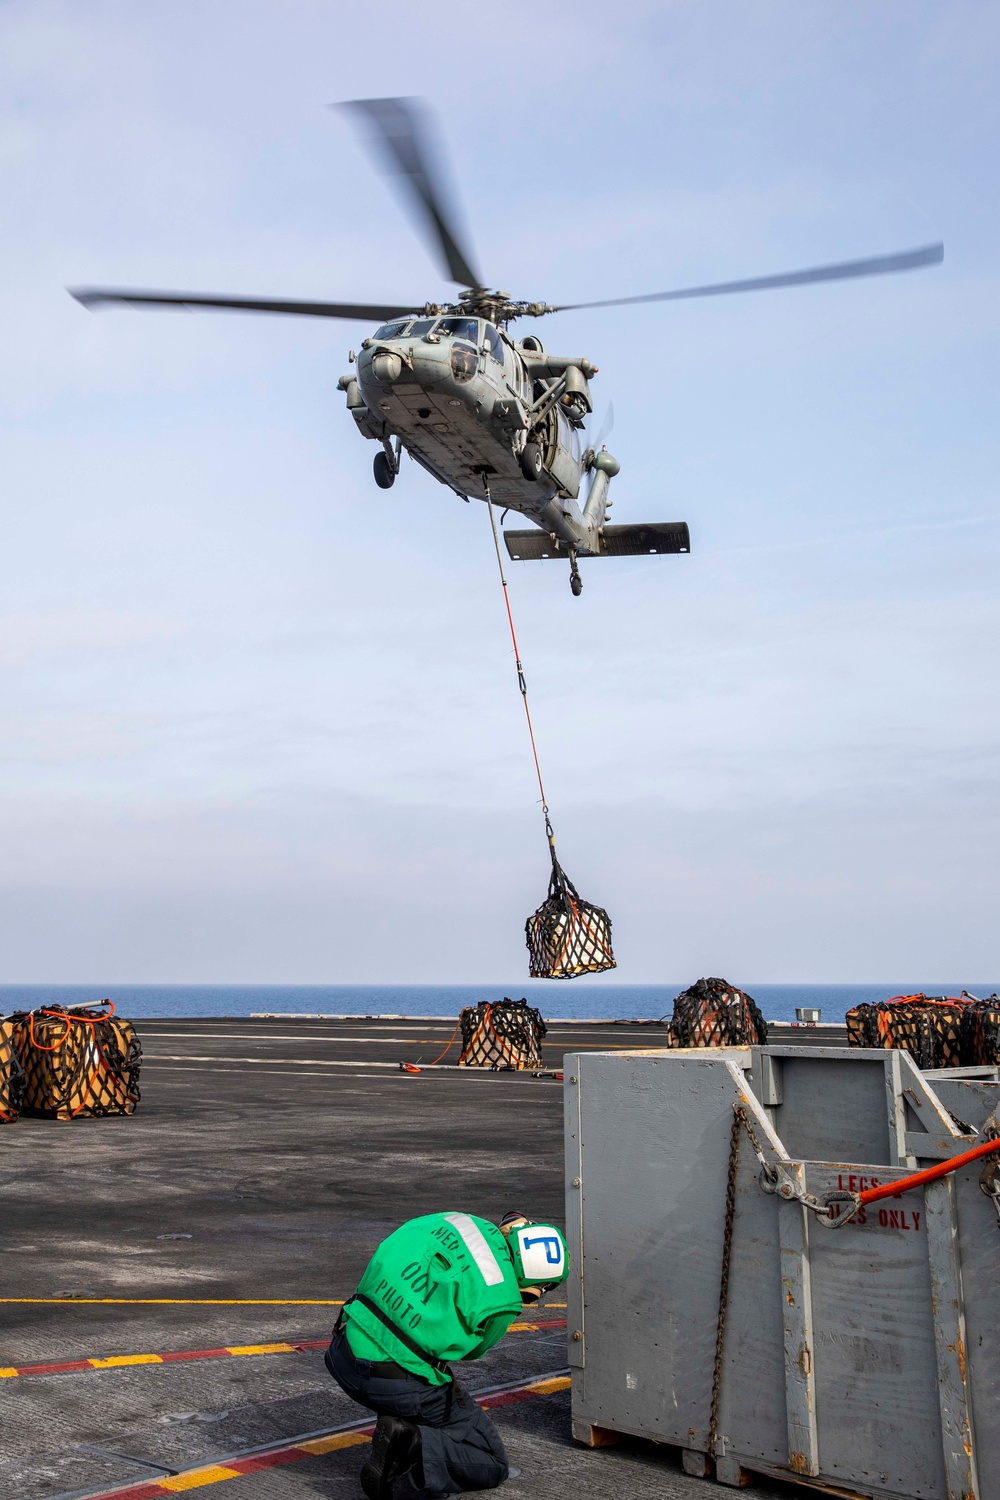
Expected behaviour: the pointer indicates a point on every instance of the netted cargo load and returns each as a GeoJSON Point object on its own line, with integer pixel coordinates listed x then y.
{"type": "Point", "coordinates": [567, 936]}
{"type": "Point", "coordinates": [981, 1033]}
{"type": "Point", "coordinates": [931, 1030]}
{"type": "Point", "coordinates": [11, 1074]}
{"type": "Point", "coordinates": [78, 1062]}
{"type": "Point", "coordinates": [940, 1031]}
{"type": "Point", "coordinates": [714, 1013]}
{"type": "Point", "coordinates": [504, 1034]}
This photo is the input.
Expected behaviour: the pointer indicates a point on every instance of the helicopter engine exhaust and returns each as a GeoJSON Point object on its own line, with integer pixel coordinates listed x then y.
{"type": "Point", "coordinates": [576, 397]}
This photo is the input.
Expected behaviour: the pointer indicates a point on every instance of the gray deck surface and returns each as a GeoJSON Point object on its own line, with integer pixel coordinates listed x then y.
{"type": "Point", "coordinates": [266, 1160]}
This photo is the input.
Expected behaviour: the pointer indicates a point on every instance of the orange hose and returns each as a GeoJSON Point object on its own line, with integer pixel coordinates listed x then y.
{"type": "Point", "coordinates": [926, 1000]}
{"type": "Point", "coordinates": [930, 1174]}
{"type": "Point", "coordinates": [447, 1049]}
{"type": "Point", "coordinates": [55, 1045]}
{"type": "Point", "coordinates": [62, 1015]}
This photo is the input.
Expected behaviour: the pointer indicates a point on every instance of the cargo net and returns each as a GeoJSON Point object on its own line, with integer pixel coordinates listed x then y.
{"type": "Point", "coordinates": [981, 1033]}
{"type": "Point", "coordinates": [567, 936]}
{"type": "Point", "coordinates": [507, 1034]}
{"type": "Point", "coordinates": [11, 1075]}
{"type": "Point", "coordinates": [714, 1013]}
{"type": "Point", "coordinates": [78, 1063]}
{"type": "Point", "coordinates": [938, 1032]}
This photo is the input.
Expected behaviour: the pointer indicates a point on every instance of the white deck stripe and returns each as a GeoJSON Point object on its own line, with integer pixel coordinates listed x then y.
{"type": "Point", "coordinates": [475, 1242]}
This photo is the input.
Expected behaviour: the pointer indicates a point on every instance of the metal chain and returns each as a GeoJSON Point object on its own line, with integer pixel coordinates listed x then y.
{"type": "Point", "coordinates": [743, 1115]}
{"type": "Point", "coordinates": [727, 1246]}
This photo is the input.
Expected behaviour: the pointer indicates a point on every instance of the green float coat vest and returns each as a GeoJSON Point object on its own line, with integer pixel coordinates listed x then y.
{"type": "Point", "coordinates": [446, 1280]}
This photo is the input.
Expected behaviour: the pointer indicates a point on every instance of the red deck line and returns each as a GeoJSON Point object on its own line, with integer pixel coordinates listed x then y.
{"type": "Point", "coordinates": [178, 1356]}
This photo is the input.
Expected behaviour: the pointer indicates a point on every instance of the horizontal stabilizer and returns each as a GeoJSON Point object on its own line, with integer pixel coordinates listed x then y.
{"type": "Point", "coordinates": [616, 541]}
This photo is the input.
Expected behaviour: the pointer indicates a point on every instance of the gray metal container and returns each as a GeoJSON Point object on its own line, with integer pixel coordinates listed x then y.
{"type": "Point", "coordinates": [863, 1358]}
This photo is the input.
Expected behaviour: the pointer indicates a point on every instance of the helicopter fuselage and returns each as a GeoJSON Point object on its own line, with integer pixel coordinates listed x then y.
{"type": "Point", "coordinates": [471, 406]}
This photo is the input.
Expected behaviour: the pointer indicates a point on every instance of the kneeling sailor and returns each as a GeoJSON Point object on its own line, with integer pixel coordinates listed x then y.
{"type": "Point", "coordinates": [442, 1287]}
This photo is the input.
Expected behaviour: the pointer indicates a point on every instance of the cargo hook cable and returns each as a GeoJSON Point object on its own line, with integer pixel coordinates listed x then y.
{"type": "Point", "coordinates": [550, 836]}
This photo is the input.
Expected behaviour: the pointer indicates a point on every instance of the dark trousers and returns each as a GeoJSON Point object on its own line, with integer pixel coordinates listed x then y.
{"type": "Point", "coordinates": [461, 1448]}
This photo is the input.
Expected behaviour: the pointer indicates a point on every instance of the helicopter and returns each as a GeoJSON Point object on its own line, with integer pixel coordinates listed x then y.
{"type": "Point", "coordinates": [486, 414]}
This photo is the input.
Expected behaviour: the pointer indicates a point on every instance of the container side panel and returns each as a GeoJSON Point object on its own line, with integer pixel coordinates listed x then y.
{"type": "Point", "coordinates": [834, 1110]}
{"type": "Point", "coordinates": [876, 1363]}
{"type": "Point", "coordinates": [655, 1135]}
{"type": "Point", "coordinates": [970, 1102]}
{"type": "Point", "coordinates": [572, 1088]}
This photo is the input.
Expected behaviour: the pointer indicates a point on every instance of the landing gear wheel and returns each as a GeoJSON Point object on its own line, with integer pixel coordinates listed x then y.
{"type": "Point", "coordinates": [576, 584]}
{"type": "Point", "coordinates": [531, 461]}
{"type": "Point", "coordinates": [385, 474]}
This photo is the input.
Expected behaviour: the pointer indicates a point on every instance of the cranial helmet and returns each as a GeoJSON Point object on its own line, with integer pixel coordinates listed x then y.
{"type": "Point", "coordinates": [539, 1253]}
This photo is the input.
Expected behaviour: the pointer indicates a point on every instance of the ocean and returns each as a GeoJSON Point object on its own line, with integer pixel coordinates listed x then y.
{"type": "Point", "coordinates": [588, 999]}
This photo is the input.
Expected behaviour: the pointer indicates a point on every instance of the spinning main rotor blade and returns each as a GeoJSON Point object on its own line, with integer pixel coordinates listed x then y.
{"type": "Point", "coordinates": [845, 270]}
{"type": "Point", "coordinates": [403, 140]}
{"type": "Point", "coordinates": [103, 296]}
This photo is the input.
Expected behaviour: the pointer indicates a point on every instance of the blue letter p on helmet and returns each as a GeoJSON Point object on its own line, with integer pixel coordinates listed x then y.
{"type": "Point", "coordinates": [539, 1254]}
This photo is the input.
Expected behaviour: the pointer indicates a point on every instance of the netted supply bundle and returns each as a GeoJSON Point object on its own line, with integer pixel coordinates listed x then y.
{"type": "Point", "coordinates": [981, 1033]}
{"type": "Point", "coordinates": [504, 1034]}
{"type": "Point", "coordinates": [933, 1031]}
{"type": "Point", "coordinates": [78, 1062]}
{"type": "Point", "coordinates": [567, 936]}
{"type": "Point", "coordinates": [714, 1013]}
{"type": "Point", "coordinates": [11, 1074]}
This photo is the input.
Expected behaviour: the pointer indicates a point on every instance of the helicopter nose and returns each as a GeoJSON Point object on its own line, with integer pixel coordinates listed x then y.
{"type": "Point", "coordinates": [387, 367]}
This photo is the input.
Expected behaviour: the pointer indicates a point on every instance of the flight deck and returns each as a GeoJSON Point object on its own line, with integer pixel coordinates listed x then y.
{"type": "Point", "coordinates": [171, 1278]}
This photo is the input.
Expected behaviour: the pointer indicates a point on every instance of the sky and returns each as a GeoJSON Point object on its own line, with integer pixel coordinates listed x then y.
{"type": "Point", "coordinates": [259, 720]}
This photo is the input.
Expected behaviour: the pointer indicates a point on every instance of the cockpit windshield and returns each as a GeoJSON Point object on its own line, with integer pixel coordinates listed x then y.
{"type": "Point", "coordinates": [390, 330]}
{"type": "Point", "coordinates": [460, 328]}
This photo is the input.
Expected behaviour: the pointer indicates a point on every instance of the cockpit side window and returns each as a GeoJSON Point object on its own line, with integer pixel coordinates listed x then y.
{"type": "Point", "coordinates": [495, 343]}
{"type": "Point", "coordinates": [460, 328]}
{"type": "Point", "coordinates": [389, 331]}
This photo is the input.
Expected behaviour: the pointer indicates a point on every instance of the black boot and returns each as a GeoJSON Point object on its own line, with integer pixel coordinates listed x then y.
{"type": "Point", "coordinates": [395, 1451]}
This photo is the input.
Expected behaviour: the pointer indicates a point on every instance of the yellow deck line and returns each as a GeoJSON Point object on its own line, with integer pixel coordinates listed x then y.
{"type": "Point", "coordinates": [125, 1359]}
{"type": "Point", "coordinates": [262, 1349]}
{"type": "Point", "coordinates": [194, 1479]}
{"type": "Point", "coordinates": [338, 1440]}
{"type": "Point", "coordinates": [546, 1387]}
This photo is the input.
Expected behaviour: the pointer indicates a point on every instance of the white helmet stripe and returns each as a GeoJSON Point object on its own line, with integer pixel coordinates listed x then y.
{"type": "Point", "coordinates": [475, 1243]}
